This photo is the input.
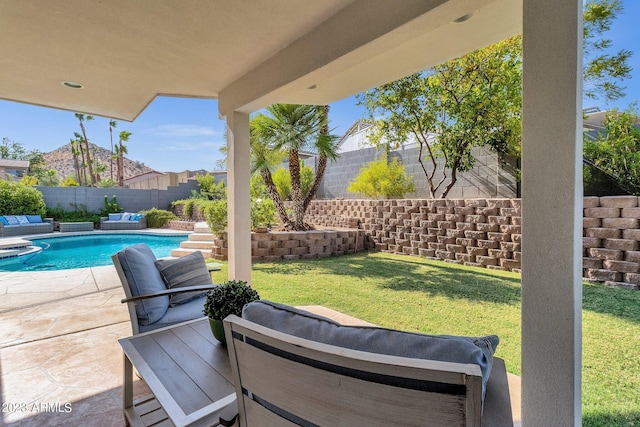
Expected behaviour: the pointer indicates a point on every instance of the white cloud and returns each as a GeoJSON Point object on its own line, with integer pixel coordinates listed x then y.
{"type": "Point", "coordinates": [203, 146]}
{"type": "Point", "coordinates": [182, 131]}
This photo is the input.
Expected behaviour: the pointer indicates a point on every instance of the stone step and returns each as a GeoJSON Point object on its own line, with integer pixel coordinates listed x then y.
{"type": "Point", "coordinates": [196, 245]}
{"type": "Point", "coordinates": [180, 252]}
{"type": "Point", "coordinates": [201, 227]}
{"type": "Point", "coordinates": [201, 237]}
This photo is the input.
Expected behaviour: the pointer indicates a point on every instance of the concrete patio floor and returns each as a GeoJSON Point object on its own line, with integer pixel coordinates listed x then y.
{"type": "Point", "coordinates": [60, 361]}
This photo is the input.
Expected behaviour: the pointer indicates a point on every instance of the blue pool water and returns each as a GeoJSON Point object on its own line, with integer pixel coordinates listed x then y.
{"type": "Point", "coordinates": [61, 253]}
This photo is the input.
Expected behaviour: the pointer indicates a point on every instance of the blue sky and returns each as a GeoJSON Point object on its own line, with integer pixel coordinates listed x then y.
{"type": "Point", "coordinates": [174, 134]}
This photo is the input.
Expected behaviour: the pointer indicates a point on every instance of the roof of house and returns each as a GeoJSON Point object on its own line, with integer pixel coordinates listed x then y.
{"type": "Point", "coordinates": [9, 163]}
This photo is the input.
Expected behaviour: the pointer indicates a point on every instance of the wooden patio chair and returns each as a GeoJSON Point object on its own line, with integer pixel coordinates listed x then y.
{"type": "Point", "coordinates": [284, 380]}
{"type": "Point", "coordinates": [150, 302]}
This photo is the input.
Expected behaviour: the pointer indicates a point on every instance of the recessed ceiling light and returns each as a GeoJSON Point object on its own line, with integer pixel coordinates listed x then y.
{"type": "Point", "coordinates": [463, 18]}
{"type": "Point", "coordinates": [72, 85]}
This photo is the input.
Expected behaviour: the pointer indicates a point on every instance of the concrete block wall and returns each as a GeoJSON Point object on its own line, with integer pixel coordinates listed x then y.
{"type": "Point", "coordinates": [488, 177]}
{"type": "Point", "coordinates": [131, 200]}
{"type": "Point", "coordinates": [486, 232]}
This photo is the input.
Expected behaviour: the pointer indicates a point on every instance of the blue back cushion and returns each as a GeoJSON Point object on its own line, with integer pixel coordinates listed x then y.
{"type": "Point", "coordinates": [34, 219]}
{"type": "Point", "coordinates": [22, 219]}
{"type": "Point", "coordinates": [11, 220]}
{"type": "Point", "coordinates": [138, 265]}
{"type": "Point", "coordinates": [189, 270]}
{"type": "Point", "coordinates": [115, 216]}
{"type": "Point", "coordinates": [446, 348]}
{"type": "Point", "coordinates": [4, 220]}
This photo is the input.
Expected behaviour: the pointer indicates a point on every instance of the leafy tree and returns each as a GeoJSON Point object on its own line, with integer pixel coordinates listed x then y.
{"type": "Point", "coordinates": [290, 129]}
{"type": "Point", "coordinates": [381, 178]}
{"type": "Point", "coordinates": [13, 150]}
{"type": "Point", "coordinates": [209, 189]}
{"type": "Point", "coordinates": [616, 150]}
{"type": "Point", "coordinates": [603, 72]}
{"type": "Point", "coordinates": [474, 100]}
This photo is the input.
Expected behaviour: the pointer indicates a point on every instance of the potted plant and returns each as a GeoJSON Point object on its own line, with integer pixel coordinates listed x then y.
{"type": "Point", "coordinates": [228, 298]}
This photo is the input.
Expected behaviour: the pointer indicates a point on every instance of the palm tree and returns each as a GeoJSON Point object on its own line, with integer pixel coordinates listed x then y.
{"type": "Point", "coordinates": [100, 167]}
{"type": "Point", "coordinates": [51, 175]}
{"type": "Point", "coordinates": [291, 128]}
{"type": "Point", "coordinates": [79, 145]}
{"type": "Point", "coordinates": [112, 125]}
{"type": "Point", "coordinates": [121, 151]}
{"type": "Point", "coordinates": [264, 159]}
{"type": "Point", "coordinates": [81, 118]}
{"type": "Point", "coordinates": [73, 143]}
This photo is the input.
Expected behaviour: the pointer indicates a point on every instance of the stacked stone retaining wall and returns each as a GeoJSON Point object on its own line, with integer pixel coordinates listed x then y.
{"type": "Point", "coordinates": [487, 233]}
{"type": "Point", "coordinates": [291, 245]}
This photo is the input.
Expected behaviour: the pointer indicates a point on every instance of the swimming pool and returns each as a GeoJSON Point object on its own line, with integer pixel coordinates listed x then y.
{"type": "Point", "coordinates": [88, 250]}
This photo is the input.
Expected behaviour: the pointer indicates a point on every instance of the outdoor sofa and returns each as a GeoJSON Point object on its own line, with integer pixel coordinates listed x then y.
{"type": "Point", "coordinates": [123, 221]}
{"type": "Point", "coordinates": [18, 225]}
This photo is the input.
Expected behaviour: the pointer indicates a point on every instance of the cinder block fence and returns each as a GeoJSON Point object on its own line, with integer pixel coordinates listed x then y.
{"type": "Point", "coordinates": [487, 233]}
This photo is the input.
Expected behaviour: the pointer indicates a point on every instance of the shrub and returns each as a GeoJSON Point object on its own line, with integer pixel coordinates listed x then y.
{"type": "Point", "coordinates": [228, 298]}
{"type": "Point", "coordinates": [19, 199]}
{"type": "Point", "coordinates": [282, 180]}
{"type": "Point", "coordinates": [110, 206]}
{"type": "Point", "coordinates": [29, 180]}
{"type": "Point", "coordinates": [187, 209]}
{"type": "Point", "coordinates": [157, 218]}
{"type": "Point", "coordinates": [263, 213]}
{"type": "Point", "coordinates": [382, 179]}
{"type": "Point", "coordinates": [216, 216]}
{"type": "Point", "coordinates": [70, 182]}
{"type": "Point", "coordinates": [104, 183]}
{"type": "Point", "coordinates": [78, 214]}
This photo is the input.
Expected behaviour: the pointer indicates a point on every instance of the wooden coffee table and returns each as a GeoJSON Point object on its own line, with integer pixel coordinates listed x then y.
{"type": "Point", "coordinates": [187, 370]}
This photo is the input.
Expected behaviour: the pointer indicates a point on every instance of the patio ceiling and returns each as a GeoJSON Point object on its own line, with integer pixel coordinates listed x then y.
{"type": "Point", "coordinates": [249, 54]}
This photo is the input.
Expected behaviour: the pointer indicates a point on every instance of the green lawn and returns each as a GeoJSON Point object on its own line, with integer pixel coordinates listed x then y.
{"type": "Point", "coordinates": [416, 294]}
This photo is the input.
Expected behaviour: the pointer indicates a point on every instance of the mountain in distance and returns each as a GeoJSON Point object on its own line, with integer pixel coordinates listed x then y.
{"type": "Point", "coordinates": [61, 160]}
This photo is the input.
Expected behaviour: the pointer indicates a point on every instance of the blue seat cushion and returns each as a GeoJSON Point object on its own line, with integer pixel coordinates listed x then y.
{"type": "Point", "coordinates": [178, 314]}
{"type": "Point", "coordinates": [446, 348]}
{"type": "Point", "coordinates": [34, 219]}
{"type": "Point", "coordinates": [189, 270]}
{"type": "Point", "coordinates": [138, 265]}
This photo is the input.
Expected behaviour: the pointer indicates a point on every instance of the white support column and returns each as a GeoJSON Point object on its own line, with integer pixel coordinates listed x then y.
{"type": "Point", "coordinates": [552, 213]}
{"type": "Point", "coordinates": [238, 177]}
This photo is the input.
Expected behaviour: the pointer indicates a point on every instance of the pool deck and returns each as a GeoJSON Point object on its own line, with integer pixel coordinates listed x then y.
{"type": "Point", "coordinates": [59, 344]}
